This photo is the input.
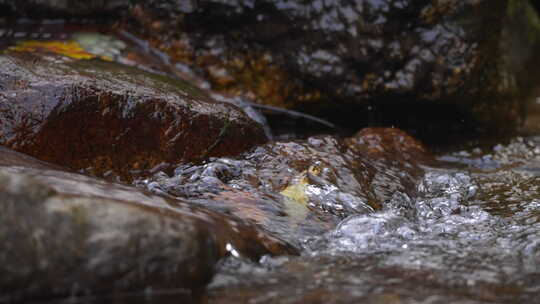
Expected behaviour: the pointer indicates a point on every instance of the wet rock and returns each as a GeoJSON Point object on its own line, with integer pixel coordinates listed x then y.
{"type": "Point", "coordinates": [381, 143]}
{"type": "Point", "coordinates": [65, 234]}
{"type": "Point", "coordinates": [395, 160]}
{"type": "Point", "coordinates": [426, 65]}
{"type": "Point", "coordinates": [107, 118]}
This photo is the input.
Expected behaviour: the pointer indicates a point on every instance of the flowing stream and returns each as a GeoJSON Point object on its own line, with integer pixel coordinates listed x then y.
{"type": "Point", "coordinates": [472, 235]}
{"type": "Point", "coordinates": [468, 233]}
{"type": "Point", "coordinates": [466, 230]}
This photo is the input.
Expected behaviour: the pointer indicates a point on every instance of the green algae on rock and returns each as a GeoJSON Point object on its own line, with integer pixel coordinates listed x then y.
{"type": "Point", "coordinates": [107, 118]}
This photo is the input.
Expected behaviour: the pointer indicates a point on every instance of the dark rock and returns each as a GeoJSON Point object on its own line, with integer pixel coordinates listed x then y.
{"type": "Point", "coordinates": [67, 234]}
{"type": "Point", "coordinates": [107, 118]}
{"type": "Point", "coordinates": [434, 66]}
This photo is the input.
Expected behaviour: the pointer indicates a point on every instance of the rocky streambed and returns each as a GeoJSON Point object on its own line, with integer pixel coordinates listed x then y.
{"type": "Point", "coordinates": [143, 159]}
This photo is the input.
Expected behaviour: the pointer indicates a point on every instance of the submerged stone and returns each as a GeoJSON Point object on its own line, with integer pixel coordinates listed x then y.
{"type": "Point", "coordinates": [107, 118]}
{"type": "Point", "coordinates": [65, 234]}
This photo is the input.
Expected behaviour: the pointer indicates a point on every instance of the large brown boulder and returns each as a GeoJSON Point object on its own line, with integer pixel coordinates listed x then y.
{"type": "Point", "coordinates": [107, 118]}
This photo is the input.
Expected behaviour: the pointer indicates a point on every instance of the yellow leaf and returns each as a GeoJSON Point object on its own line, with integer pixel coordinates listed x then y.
{"type": "Point", "coordinates": [67, 48]}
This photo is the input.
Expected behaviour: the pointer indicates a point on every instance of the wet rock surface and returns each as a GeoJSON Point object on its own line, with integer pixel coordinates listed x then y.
{"type": "Point", "coordinates": [111, 119]}
{"type": "Point", "coordinates": [66, 234]}
{"type": "Point", "coordinates": [417, 64]}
